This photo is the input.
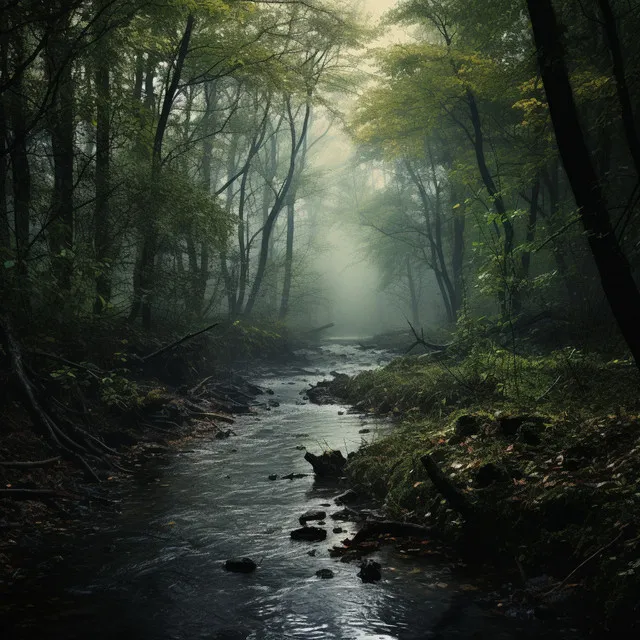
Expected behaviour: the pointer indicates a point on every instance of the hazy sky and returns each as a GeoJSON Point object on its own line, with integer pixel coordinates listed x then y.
{"type": "Point", "coordinates": [377, 7]}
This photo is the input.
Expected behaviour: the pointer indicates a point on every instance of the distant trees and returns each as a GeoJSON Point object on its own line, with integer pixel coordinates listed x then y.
{"type": "Point", "coordinates": [148, 151]}
{"type": "Point", "coordinates": [519, 158]}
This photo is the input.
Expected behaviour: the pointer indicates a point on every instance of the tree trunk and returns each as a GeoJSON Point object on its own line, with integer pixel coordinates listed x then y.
{"type": "Point", "coordinates": [20, 169]}
{"type": "Point", "coordinates": [498, 203]}
{"type": "Point", "coordinates": [457, 255]}
{"type": "Point", "coordinates": [288, 260]}
{"type": "Point", "coordinates": [150, 237]}
{"type": "Point", "coordinates": [101, 237]}
{"type": "Point", "coordinates": [415, 310]}
{"type": "Point", "coordinates": [296, 144]}
{"type": "Point", "coordinates": [62, 147]}
{"type": "Point", "coordinates": [624, 97]}
{"type": "Point", "coordinates": [615, 273]}
{"type": "Point", "coordinates": [531, 229]}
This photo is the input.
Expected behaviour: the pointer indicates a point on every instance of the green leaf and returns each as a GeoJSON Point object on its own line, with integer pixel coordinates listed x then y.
{"type": "Point", "coordinates": [9, 264]}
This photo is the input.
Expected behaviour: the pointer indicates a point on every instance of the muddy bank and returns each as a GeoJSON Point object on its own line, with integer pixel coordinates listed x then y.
{"type": "Point", "coordinates": [543, 489]}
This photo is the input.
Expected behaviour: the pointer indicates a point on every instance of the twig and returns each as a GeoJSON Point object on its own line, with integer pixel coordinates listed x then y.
{"type": "Point", "coordinates": [553, 384]}
{"type": "Point", "coordinates": [75, 365]}
{"type": "Point", "coordinates": [29, 465]}
{"type": "Point", "coordinates": [178, 342]}
{"type": "Point", "coordinates": [582, 564]}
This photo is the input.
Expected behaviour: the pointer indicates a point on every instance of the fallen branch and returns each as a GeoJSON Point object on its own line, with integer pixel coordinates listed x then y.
{"type": "Point", "coordinates": [29, 465]}
{"type": "Point", "coordinates": [324, 327]}
{"type": "Point", "coordinates": [454, 497]}
{"type": "Point", "coordinates": [582, 564]}
{"type": "Point", "coordinates": [392, 528]}
{"type": "Point", "coordinates": [173, 345]}
{"type": "Point", "coordinates": [91, 370]}
{"type": "Point", "coordinates": [420, 340]}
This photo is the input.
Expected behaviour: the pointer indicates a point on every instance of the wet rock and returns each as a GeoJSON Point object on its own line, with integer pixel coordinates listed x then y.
{"type": "Point", "coordinates": [340, 413]}
{"type": "Point", "coordinates": [489, 473]}
{"type": "Point", "coordinates": [307, 516]}
{"type": "Point", "coordinates": [224, 433]}
{"type": "Point", "coordinates": [370, 571]}
{"type": "Point", "coordinates": [329, 464]}
{"type": "Point", "coordinates": [467, 425]}
{"type": "Point", "coordinates": [240, 565]}
{"type": "Point", "coordinates": [273, 476]}
{"type": "Point", "coordinates": [301, 447]}
{"type": "Point", "coordinates": [324, 574]}
{"type": "Point", "coordinates": [338, 530]}
{"type": "Point", "coordinates": [312, 553]}
{"type": "Point", "coordinates": [346, 515]}
{"type": "Point", "coordinates": [364, 431]}
{"type": "Point", "coordinates": [274, 403]}
{"type": "Point", "coordinates": [310, 534]}
{"type": "Point", "coordinates": [348, 497]}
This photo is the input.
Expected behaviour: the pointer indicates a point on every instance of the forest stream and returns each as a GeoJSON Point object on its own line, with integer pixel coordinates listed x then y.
{"type": "Point", "coordinates": [155, 571]}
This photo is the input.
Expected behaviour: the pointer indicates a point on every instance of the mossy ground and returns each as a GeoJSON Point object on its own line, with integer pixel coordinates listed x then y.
{"type": "Point", "coordinates": [566, 487]}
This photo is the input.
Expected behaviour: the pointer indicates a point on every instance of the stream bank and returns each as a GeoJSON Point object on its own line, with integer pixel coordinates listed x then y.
{"type": "Point", "coordinates": [159, 562]}
{"type": "Point", "coordinates": [549, 462]}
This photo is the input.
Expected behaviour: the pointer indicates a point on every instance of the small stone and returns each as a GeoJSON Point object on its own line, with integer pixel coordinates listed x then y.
{"type": "Point", "coordinates": [273, 476]}
{"type": "Point", "coordinates": [370, 571]}
{"type": "Point", "coordinates": [312, 553]}
{"type": "Point", "coordinates": [340, 413]}
{"type": "Point", "coordinates": [338, 530]}
{"type": "Point", "coordinates": [240, 565]}
{"type": "Point", "coordinates": [324, 574]}
{"type": "Point", "coordinates": [312, 515]}
{"type": "Point", "coordinates": [310, 534]}
{"type": "Point", "coordinates": [364, 431]}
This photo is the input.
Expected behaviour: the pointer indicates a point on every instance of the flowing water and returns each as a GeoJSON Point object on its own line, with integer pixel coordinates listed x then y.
{"type": "Point", "coordinates": [156, 571]}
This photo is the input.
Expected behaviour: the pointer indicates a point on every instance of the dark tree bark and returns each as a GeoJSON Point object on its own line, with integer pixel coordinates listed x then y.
{"type": "Point", "coordinates": [296, 144]}
{"type": "Point", "coordinates": [624, 97]}
{"type": "Point", "coordinates": [531, 229]}
{"type": "Point", "coordinates": [20, 168]}
{"type": "Point", "coordinates": [413, 295]}
{"type": "Point", "coordinates": [101, 237]}
{"type": "Point", "coordinates": [150, 237]}
{"type": "Point", "coordinates": [615, 273]}
{"type": "Point", "coordinates": [61, 126]}
{"type": "Point", "coordinates": [288, 259]}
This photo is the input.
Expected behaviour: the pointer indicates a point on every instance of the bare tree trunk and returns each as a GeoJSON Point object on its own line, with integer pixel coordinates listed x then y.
{"type": "Point", "coordinates": [101, 237]}
{"type": "Point", "coordinates": [288, 260]}
{"type": "Point", "coordinates": [531, 229]}
{"type": "Point", "coordinates": [413, 293]}
{"type": "Point", "coordinates": [62, 147]}
{"type": "Point", "coordinates": [624, 97]}
{"type": "Point", "coordinates": [296, 143]}
{"type": "Point", "coordinates": [150, 237]}
{"type": "Point", "coordinates": [615, 273]}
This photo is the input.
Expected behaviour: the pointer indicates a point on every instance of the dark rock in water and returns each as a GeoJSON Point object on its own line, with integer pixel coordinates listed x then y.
{"type": "Point", "coordinates": [312, 553]}
{"type": "Point", "coordinates": [340, 413]}
{"type": "Point", "coordinates": [325, 574]}
{"type": "Point", "coordinates": [301, 447]}
{"type": "Point", "coordinates": [270, 392]}
{"type": "Point", "coordinates": [294, 476]}
{"type": "Point", "coordinates": [338, 530]}
{"type": "Point", "coordinates": [348, 497]}
{"type": "Point", "coordinates": [467, 425]}
{"type": "Point", "coordinates": [312, 515]}
{"type": "Point", "coordinates": [240, 565]}
{"type": "Point", "coordinates": [274, 403]}
{"type": "Point", "coordinates": [273, 476]}
{"type": "Point", "coordinates": [328, 465]}
{"type": "Point", "coordinates": [325, 504]}
{"type": "Point", "coordinates": [346, 515]}
{"type": "Point", "coordinates": [364, 431]}
{"type": "Point", "coordinates": [370, 571]}
{"type": "Point", "coordinates": [221, 435]}
{"type": "Point", "coordinates": [489, 473]}
{"type": "Point", "coordinates": [310, 534]}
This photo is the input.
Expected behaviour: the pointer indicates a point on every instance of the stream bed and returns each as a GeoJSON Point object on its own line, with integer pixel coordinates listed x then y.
{"type": "Point", "coordinates": [155, 570]}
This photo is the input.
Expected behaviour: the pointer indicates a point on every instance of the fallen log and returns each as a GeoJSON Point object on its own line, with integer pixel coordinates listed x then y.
{"type": "Point", "coordinates": [324, 327]}
{"type": "Point", "coordinates": [454, 497]}
{"type": "Point", "coordinates": [394, 529]}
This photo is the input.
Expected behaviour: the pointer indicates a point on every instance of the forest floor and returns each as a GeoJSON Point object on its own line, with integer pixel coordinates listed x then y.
{"type": "Point", "coordinates": [546, 449]}
{"type": "Point", "coordinates": [97, 379]}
